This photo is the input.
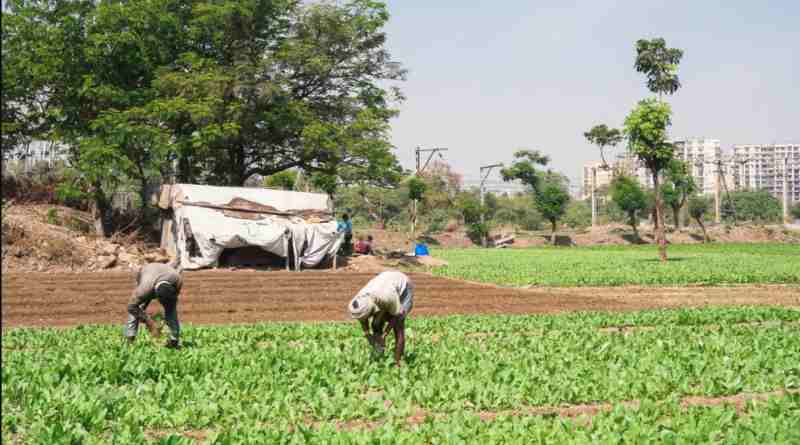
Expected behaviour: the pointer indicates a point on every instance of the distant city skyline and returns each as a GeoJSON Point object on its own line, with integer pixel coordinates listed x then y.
{"type": "Point", "coordinates": [487, 78]}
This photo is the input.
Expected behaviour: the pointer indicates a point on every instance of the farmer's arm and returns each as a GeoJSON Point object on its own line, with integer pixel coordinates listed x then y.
{"type": "Point", "coordinates": [139, 300]}
{"type": "Point", "coordinates": [365, 327]}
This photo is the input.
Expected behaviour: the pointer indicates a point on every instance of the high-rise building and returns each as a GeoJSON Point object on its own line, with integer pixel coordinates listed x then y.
{"type": "Point", "coordinates": [704, 157]}
{"type": "Point", "coordinates": [764, 166]}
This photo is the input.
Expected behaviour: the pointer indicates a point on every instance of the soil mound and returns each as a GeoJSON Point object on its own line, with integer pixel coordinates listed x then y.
{"type": "Point", "coordinates": [51, 238]}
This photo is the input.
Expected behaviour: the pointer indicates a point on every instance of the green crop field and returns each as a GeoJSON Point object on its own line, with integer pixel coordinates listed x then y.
{"type": "Point", "coordinates": [714, 264]}
{"type": "Point", "coordinates": [466, 380]}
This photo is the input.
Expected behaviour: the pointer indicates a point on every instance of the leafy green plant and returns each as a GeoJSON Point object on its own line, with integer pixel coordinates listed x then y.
{"type": "Point", "coordinates": [705, 264]}
{"type": "Point", "coordinates": [295, 382]}
{"type": "Point", "coordinates": [52, 217]}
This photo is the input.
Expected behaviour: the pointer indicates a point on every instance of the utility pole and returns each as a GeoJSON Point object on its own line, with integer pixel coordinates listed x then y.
{"type": "Point", "coordinates": [419, 170]}
{"type": "Point", "coordinates": [488, 170]}
{"type": "Point", "coordinates": [717, 217]}
{"type": "Point", "coordinates": [594, 196]}
{"type": "Point", "coordinates": [786, 218]}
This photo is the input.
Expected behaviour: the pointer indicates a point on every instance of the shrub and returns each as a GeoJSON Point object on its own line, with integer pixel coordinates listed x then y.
{"type": "Point", "coordinates": [476, 232]}
{"type": "Point", "coordinates": [52, 216]}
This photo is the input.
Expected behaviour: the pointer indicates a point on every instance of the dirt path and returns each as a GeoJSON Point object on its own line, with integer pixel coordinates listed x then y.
{"type": "Point", "coordinates": [38, 299]}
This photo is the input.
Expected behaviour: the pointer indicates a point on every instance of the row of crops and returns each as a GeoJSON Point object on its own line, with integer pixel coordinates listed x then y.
{"type": "Point", "coordinates": [293, 383]}
{"type": "Point", "coordinates": [714, 264]}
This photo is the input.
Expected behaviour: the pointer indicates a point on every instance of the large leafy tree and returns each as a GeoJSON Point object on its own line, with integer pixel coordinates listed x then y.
{"type": "Point", "coordinates": [629, 196]}
{"type": "Point", "coordinates": [227, 90]}
{"type": "Point", "coordinates": [678, 186]}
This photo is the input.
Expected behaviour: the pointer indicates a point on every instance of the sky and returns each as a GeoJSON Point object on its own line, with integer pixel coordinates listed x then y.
{"type": "Point", "coordinates": [489, 77]}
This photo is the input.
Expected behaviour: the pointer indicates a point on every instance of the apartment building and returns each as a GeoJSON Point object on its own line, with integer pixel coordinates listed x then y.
{"type": "Point", "coordinates": [764, 166]}
{"type": "Point", "coordinates": [704, 157]}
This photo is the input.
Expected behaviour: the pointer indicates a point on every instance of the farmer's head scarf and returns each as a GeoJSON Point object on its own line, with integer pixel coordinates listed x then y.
{"type": "Point", "coordinates": [361, 306]}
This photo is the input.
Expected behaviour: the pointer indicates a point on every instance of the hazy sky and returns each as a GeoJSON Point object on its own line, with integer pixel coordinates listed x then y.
{"type": "Point", "coordinates": [488, 77]}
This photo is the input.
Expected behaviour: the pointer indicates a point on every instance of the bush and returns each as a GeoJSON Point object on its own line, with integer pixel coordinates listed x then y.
{"type": "Point", "coordinates": [52, 216]}
{"type": "Point", "coordinates": [757, 206]}
{"type": "Point", "coordinates": [476, 232]}
{"type": "Point", "coordinates": [437, 220]}
{"type": "Point", "coordinates": [578, 215]}
{"type": "Point", "coordinates": [795, 211]}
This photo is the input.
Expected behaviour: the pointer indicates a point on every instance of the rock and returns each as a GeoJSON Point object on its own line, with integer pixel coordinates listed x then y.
{"type": "Point", "coordinates": [110, 249]}
{"type": "Point", "coordinates": [126, 257]}
{"type": "Point", "coordinates": [106, 262]}
{"type": "Point", "coordinates": [156, 257]}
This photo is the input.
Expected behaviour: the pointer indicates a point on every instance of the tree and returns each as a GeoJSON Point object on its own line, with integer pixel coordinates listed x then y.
{"type": "Point", "coordinates": [551, 201]}
{"type": "Point", "coordinates": [646, 128]}
{"type": "Point", "coordinates": [578, 215]}
{"type": "Point", "coordinates": [659, 64]}
{"type": "Point", "coordinates": [757, 206]}
{"type": "Point", "coordinates": [602, 136]}
{"type": "Point", "coordinates": [524, 168]}
{"type": "Point", "coordinates": [549, 189]}
{"type": "Point", "coordinates": [284, 180]}
{"type": "Point", "coordinates": [795, 212]}
{"type": "Point", "coordinates": [678, 187]}
{"type": "Point", "coordinates": [698, 207]}
{"type": "Point", "coordinates": [228, 90]}
{"type": "Point", "coordinates": [416, 192]}
{"type": "Point", "coordinates": [629, 196]}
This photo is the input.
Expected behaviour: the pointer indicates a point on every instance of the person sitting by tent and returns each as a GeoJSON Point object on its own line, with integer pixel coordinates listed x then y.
{"type": "Point", "coordinates": [346, 226]}
{"type": "Point", "coordinates": [155, 280]}
{"type": "Point", "coordinates": [364, 247]}
{"type": "Point", "coordinates": [387, 300]}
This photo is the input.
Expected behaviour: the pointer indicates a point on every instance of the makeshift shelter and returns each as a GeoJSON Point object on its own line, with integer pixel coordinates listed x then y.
{"type": "Point", "coordinates": [201, 222]}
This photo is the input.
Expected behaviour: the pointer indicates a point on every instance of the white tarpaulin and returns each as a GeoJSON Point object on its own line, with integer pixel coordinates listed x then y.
{"type": "Point", "coordinates": [207, 220]}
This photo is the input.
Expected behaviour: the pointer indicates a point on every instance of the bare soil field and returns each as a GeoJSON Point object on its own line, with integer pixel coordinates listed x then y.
{"type": "Point", "coordinates": [225, 296]}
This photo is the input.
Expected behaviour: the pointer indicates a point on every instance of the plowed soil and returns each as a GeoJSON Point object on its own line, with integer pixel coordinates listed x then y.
{"type": "Point", "coordinates": [209, 297]}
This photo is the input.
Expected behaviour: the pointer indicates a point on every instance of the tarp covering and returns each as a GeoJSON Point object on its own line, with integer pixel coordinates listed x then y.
{"type": "Point", "coordinates": [207, 220]}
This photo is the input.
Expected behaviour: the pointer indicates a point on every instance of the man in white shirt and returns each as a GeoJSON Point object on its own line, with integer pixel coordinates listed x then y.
{"type": "Point", "coordinates": [387, 300]}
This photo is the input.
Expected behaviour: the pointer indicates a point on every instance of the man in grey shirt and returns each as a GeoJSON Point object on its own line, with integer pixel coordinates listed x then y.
{"type": "Point", "coordinates": [161, 281]}
{"type": "Point", "coordinates": [387, 300]}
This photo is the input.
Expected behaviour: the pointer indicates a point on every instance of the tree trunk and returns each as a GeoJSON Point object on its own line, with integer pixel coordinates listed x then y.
{"type": "Point", "coordinates": [661, 239]}
{"type": "Point", "coordinates": [633, 224]}
{"type": "Point", "coordinates": [676, 213]}
{"type": "Point", "coordinates": [184, 173]}
{"type": "Point", "coordinates": [705, 234]}
{"type": "Point", "coordinates": [553, 234]}
{"type": "Point", "coordinates": [101, 213]}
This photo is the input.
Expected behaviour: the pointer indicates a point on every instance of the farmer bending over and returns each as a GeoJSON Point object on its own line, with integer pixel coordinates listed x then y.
{"type": "Point", "coordinates": [160, 281]}
{"type": "Point", "coordinates": [386, 299]}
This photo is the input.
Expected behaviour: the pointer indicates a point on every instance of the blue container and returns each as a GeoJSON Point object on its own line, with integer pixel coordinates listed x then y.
{"type": "Point", "coordinates": [421, 250]}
